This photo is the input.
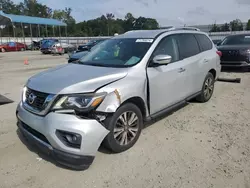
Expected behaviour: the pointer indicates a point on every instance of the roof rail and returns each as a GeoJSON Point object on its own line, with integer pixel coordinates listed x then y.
{"type": "Point", "coordinates": [185, 28]}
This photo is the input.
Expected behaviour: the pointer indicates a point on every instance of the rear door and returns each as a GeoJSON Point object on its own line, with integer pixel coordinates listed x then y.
{"type": "Point", "coordinates": [208, 59]}
{"type": "Point", "coordinates": [190, 56]}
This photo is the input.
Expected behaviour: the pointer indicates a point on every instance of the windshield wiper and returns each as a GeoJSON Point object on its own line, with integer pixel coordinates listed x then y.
{"type": "Point", "coordinates": [94, 64]}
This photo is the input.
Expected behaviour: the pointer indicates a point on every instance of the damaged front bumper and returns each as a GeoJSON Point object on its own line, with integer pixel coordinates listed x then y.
{"type": "Point", "coordinates": [42, 131]}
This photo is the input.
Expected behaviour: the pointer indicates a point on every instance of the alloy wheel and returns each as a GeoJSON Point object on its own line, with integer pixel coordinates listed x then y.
{"type": "Point", "coordinates": [126, 128]}
{"type": "Point", "coordinates": [209, 87]}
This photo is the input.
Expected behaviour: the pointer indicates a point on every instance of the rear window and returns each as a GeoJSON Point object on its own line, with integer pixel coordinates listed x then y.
{"type": "Point", "coordinates": [204, 41]}
{"type": "Point", "coordinates": [188, 45]}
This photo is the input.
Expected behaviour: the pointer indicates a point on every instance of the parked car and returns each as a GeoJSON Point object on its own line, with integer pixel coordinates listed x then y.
{"type": "Point", "coordinates": [61, 48]}
{"type": "Point", "coordinates": [216, 41]}
{"type": "Point", "coordinates": [107, 96]}
{"type": "Point", "coordinates": [235, 51]}
{"type": "Point", "coordinates": [12, 46]}
{"type": "Point", "coordinates": [34, 46]}
{"type": "Point", "coordinates": [77, 56]}
{"type": "Point", "coordinates": [46, 45]}
{"type": "Point", "coordinates": [89, 45]}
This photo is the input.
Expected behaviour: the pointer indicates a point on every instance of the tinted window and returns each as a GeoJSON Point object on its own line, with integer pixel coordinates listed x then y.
{"type": "Point", "coordinates": [11, 44]}
{"type": "Point", "coordinates": [188, 45]}
{"type": "Point", "coordinates": [204, 42]}
{"type": "Point", "coordinates": [236, 39]}
{"type": "Point", "coordinates": [167, 46]}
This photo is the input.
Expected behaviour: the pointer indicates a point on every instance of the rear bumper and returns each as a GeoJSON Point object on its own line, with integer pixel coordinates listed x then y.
{"type": "Point", "coordinates": [234, 64]}
{"type": "Point", "coordinates": [64, 158]}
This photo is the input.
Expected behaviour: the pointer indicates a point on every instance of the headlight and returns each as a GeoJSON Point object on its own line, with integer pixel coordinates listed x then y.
{"type": "Point", "coordinates": [79, 102]}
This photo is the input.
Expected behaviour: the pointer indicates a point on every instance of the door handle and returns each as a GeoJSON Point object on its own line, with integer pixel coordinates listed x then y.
{"type": "Point", "coordinates": [205, 61]}
{"type": "Point", "coordinates": [181, 70]}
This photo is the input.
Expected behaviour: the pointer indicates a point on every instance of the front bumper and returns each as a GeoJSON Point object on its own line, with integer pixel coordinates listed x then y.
{"type": "Point", "coordinates": [235, 64]}
{"type": "Point", "coordinates": [46, 50]}
{"type": "Point", "coordinates": [42, 131]}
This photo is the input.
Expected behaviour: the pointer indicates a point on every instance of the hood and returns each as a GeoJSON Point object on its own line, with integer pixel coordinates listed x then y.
{"type": "Point", "coordinates": [78, 55]}
{"type": "Point", "coordinates": [233, 47]}
{"type": "Point", "coordinates": [75, 78]}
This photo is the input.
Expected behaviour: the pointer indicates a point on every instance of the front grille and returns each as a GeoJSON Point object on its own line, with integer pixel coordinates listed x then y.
{"type": "Point", "coordinates": [39, 100]}
{"type": "Point", "coordinates": [231, 55]}
{"type": "Point", "coordinates": [35, 133]}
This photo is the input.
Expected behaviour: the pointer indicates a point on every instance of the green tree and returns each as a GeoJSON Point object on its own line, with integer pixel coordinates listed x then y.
{"type": "Point", "coordinates": [225, 27]}
{"type": "Point", "coordinates": [215, 28]}
{"type": "Point", "coordinates": [236, 25]}
{"type": "Point", "coordinates": [248, 25]}
{"type": "Point", "coordinates": [110, 18]}
{"type": "Point", "coordinates": [65, 16]}
{"type": "Point", "coordinates": [9, 6]}
{"type": "Point", "coordinates": [129, 22]}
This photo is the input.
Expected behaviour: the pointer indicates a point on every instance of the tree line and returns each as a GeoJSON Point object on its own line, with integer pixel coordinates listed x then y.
{"type": "Point", "coordinates": [235, 25]}
{"type": "Point", "coordinates": [105, 25]}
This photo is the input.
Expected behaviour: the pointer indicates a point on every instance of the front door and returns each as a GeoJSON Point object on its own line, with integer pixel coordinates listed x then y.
{"type": "Point", "coordinates": [12, 46]}
{"type": "Point", "coordinates": [166, 82]}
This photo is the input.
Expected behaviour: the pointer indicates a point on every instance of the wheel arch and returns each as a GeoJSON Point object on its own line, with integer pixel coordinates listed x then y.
{"type": "Point", "coordinates": [213, 72]}
{"type": "Point", "coordinates": [138, 101]}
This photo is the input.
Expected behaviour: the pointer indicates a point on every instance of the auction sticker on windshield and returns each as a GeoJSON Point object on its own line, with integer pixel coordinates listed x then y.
{"type": "Point", "coordinates": [144, 40]}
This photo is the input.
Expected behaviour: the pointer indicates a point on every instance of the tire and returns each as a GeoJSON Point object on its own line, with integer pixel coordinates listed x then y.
{"type": "Point", "coordinates": [113, 123]}
{"type": "Point", "coordinates": [22, 49]}
{"type": "Point", "coordinates": [207, 88]}
{"type": "Point", "coordinates": [3, 50]}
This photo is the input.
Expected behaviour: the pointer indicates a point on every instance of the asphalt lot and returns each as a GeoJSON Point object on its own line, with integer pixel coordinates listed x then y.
{"type": "Point", "coordinates": [199, 146]}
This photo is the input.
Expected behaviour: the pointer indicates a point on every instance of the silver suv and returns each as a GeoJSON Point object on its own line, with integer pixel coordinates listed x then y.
{"type": "Point", "coordinates": [106, 97]}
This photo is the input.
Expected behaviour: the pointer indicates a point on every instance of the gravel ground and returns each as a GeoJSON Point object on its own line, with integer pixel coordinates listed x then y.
{"type": "Point", "coordinates": [200, 145]}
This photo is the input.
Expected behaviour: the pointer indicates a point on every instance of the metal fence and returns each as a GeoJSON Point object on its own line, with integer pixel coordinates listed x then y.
{"type": "Point", "coordinates": [81, 40]}
{"type": "Point", "coordinates": [72, 40]}
{"type": "Point", "coordinates": [221, 35]}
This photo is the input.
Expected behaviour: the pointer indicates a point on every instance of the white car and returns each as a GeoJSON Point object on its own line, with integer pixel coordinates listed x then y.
{"type": "Point", "coordinates": [61, 48]}
{"type": "Point", "coordinates": [111, 91]}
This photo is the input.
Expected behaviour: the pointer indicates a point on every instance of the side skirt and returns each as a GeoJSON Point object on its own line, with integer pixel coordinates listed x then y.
{"type": "Point", "coordinates": [172, 108]}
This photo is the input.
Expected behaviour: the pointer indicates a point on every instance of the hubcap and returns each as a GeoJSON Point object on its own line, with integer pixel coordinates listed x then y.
{"type": "Point", "coordinates": [209, 87]}
{"type": "Point", "coordinates": [126, 128]}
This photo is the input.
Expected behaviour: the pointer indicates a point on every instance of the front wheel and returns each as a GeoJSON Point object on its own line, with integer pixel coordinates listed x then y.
{"type": "Point", "coordinates": [3, 50]}
{"type": "Point", "coordinates": [125, 127]}
{"type": "Point", "coordinates": [207, 88]}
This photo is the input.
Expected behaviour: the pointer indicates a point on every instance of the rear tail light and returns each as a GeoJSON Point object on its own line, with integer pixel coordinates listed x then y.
{"type": "Point", "coordinates": [219, 53]}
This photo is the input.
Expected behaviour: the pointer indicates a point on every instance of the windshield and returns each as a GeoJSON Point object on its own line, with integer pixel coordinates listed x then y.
{"type": "Point", "coordinates": [236, 39]}
{"type": "Point", "coordinates": [90, 42]}
{"type": "Point", "coordinates": [48, 43]}
{"type": "Point", "coordinates": [117, 52]}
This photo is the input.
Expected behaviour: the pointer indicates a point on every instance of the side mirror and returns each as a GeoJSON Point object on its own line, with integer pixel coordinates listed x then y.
{"type": "Point", "coordinates": [162, 59]}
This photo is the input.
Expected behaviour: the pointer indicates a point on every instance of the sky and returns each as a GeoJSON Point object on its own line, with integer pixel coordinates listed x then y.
{"type": "Point", "coordinates": [166, 12]}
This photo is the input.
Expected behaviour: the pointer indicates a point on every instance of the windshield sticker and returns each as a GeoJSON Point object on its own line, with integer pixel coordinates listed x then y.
{"type": "Point", "coordinates": [144, 40]}
{"type": "Point", "coordinates": [247, 37]}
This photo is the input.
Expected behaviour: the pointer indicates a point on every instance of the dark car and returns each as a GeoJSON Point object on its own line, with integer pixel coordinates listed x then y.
{"type": "Point", "coordinates": [76, 56]}
{"type": "Point", "coordinates": [34, 45]}
{"type": "Point", "coordinates": [216, 41]}
{"type": "Point", "coordinates": [235, 51]}
{"type": "Point", "coordinates": [89, 45]}
{"type": "Point", "coordinates": [47, 44]}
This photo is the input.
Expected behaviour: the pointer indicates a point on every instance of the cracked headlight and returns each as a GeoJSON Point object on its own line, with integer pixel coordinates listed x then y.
{"type": "Point", "coordinates": [79, 102]}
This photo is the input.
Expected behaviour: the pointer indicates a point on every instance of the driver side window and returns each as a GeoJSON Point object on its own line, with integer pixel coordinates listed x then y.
{"type": "Point", "coordinates": [168, 46]}
{"type": "Point", "coordinates": [11, 44]}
